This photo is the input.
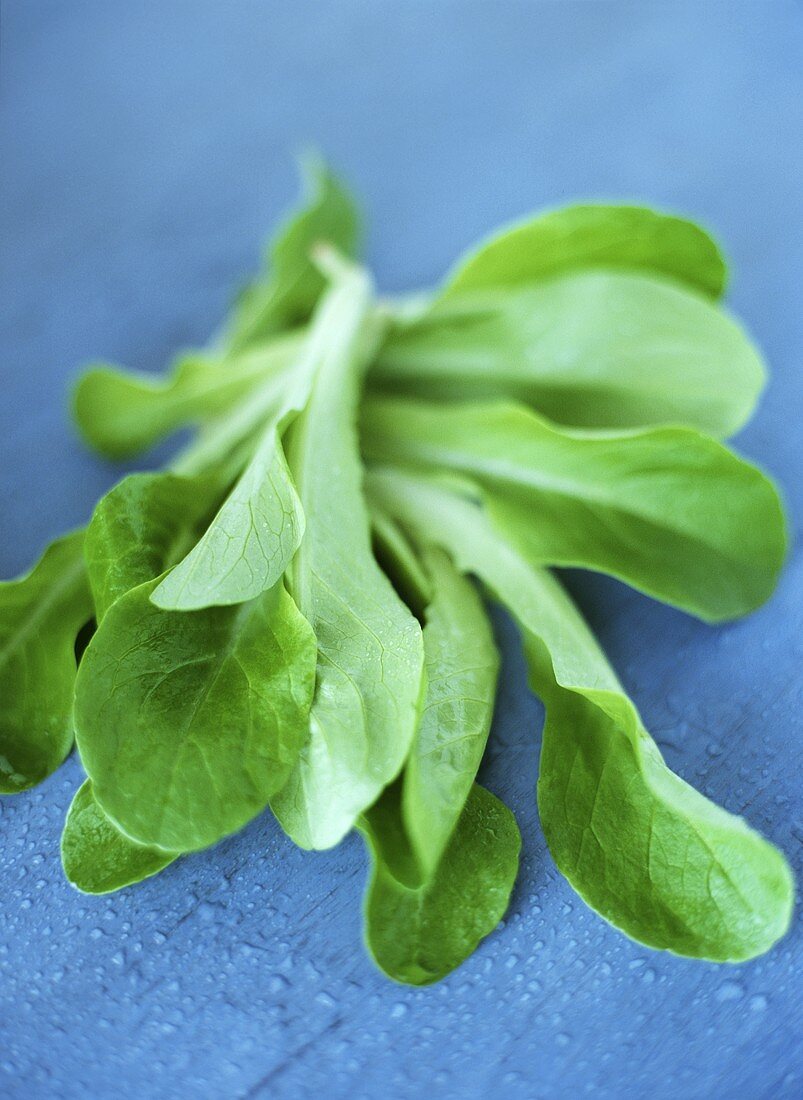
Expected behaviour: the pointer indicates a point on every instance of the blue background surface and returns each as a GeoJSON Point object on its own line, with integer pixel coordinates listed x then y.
{"type": "Point", "coordinates": [146, 149]}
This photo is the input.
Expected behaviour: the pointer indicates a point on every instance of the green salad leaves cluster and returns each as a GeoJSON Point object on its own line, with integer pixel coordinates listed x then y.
{"type": "Point", "coordinates": [291, 614]}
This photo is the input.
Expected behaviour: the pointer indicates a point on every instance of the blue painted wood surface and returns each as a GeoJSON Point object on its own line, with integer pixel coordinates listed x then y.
{"type": "Point", "coordinates": [146, 148]}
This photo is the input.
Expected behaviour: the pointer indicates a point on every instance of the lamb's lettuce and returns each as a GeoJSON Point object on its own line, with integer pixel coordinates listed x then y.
{"type": "Point", "coordinates": [250, 542]}
{"type": "Point", "coordinates": [370, 652]}
{"type": "Point", "coordinates": [122, 413]}
{"type": "Point", "coordinates": [444, 851]}
{"type": "Point", "coordinates": [668, 510]}
{"type": "Point", "coordinates": [41, 615]}
{"type": "Point", "coordinates": [641, 846]}
{"type": "Point", "coordinates": [141, 527]}
{"type": "Point", "coordinates": [260, 616]}
{"type": "Point", "coordinates": [461, 664]}
{"type": "Point", "coordinates": [593, 235]}
{"type": "Point", "coordinates": [188, 722]}
{"type": "Point", "coordinates": [98, 858]}
{"type": "Point", "coordinates": [588, 348]}
{"type": "Point", "coordinates": [418, 930]}
{"type": "Point", "coordinates": [286, 294]}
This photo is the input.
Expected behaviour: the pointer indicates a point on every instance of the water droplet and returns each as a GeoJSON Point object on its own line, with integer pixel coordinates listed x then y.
{"type": "Point", "coordinates": [729, 991]}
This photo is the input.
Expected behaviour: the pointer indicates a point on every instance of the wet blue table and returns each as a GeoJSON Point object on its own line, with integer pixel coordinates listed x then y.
{"type": "Point", "coordinates": [145, 149]}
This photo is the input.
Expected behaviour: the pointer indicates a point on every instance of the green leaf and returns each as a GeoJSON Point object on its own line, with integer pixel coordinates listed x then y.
{"type": "Point", "coordinates": [251, 541]}
{"type": "Point", "coordinates": [122, 413]}
{"type": "Point", "coordinates": [668, 510]}
{"type": "Point", "coordinates": [188, 722]}
{"type": "Point", "coordinates": [461, 665]}
{"type": "Point", "coordinates": [607, 349]}
{"type": "Point", "coordinates": [98, 858]}
{"type": "Point", "coordinates": [584, 236]}
{"type": "Point", "coordinates": [286, 294]}
{"type": "Point", "coordinates": [41, 614]}
{"type": "Point", "coordinates": [418, 932]}
{"type": "Point", "coordinates": [421, 826]}
{"type": "Point", "coordinates": [141, 527]}
{"type": "Point", "coordinates": [641, 846]}
{"type": "Point", "coordinates": [644, 849]}
{"type": "Point", "coordinates": [369, 645]}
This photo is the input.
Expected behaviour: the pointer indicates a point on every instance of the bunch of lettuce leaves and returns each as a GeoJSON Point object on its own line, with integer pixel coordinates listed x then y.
{"type": "Point", "coordinates": [291, 614]}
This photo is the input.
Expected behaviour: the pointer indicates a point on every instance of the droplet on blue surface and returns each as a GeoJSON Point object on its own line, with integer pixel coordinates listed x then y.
{"type": "Point", "coordinates": [729, 991]}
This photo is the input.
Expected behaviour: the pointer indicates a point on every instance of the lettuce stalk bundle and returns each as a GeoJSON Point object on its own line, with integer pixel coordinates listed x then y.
{"type": "Point", "coordinates": [291, 614]}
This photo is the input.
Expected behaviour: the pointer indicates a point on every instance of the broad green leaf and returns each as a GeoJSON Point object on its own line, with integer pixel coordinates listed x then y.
{"type": "Point", "coordinates": [369, 644]}
{"type": "Point", "coordinates": [668, 510]}
{"type": "Point", "coordinates": [98, 858]}
{"type": "Point", "coordinates": [644, 849]}
{"type": "Point", "coordinates": [122, 413]}
{"type": "Point", "coordinates": [461, 665]}
{"type": "Point", "coordinates": [141, 527]}
{"type": "Point", "coordinates": [602, 349]}
{"type": "Point", "coordinates": [584, 236]}
{"type": "Point", "coordinates": [41, 614]}
{"type": "Point", "coordinates": [418, 932]}
{"type": "Point", "coordinates": [188, 722]}
{"type": "Point", "coordinates": [286, 294]}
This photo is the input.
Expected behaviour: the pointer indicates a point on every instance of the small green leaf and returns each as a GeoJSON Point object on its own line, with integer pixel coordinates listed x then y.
{"type": "Point", "coordinates": [461, 665]}
{"type": "Point", "coordinates": [668, 510]}
{"type": "Point", "coordinates": [251, 541]}
{"type": "Point", "coordinates": [141, 527]}
{"type": "Point", "coordinates": [41, 614]}
{"type": "Point", "coordinates": [98, 858]}
{"type": "Point", "coordinates": [370, 651]}
{"type": "Point", "coordinates": [644, 849]}
{"type": "Point", "coordinates": [286, 294]}
{"type": "Point", "coordinates": [599, 349]}
{"type": "Point", "coordinates": [417, 932]}
{"type": "Point", "coordinates": [123, 413]}
{"type": "Point", "coordinates": [188, 722]}
{"type": "Point", "coordinates": [588, 236]}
